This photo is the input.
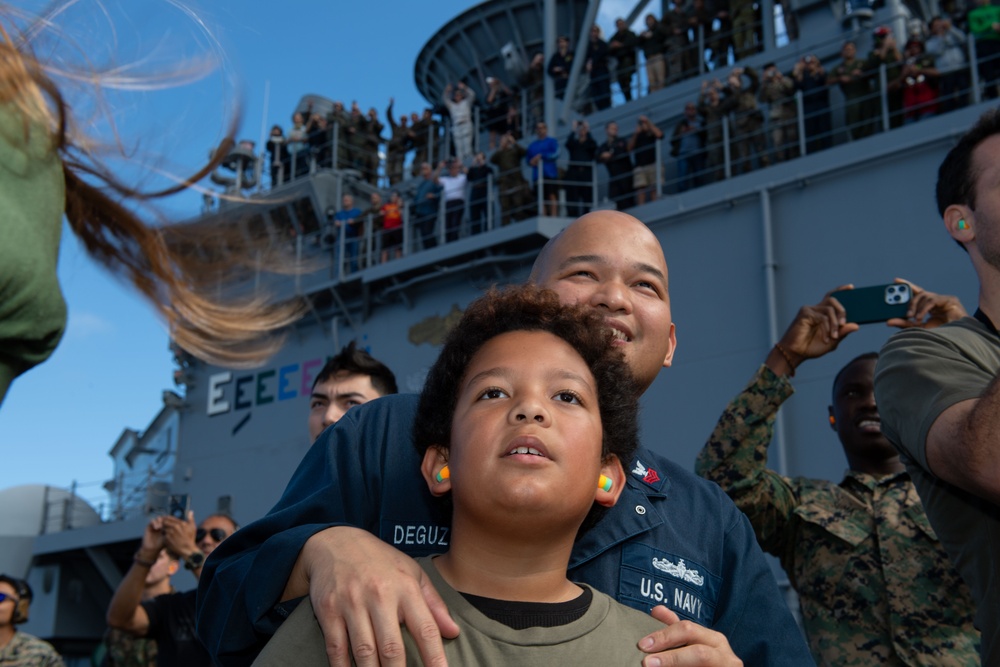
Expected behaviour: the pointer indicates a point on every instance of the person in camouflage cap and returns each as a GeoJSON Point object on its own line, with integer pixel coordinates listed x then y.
{"type": "Point", "coordinates": [874, 583]}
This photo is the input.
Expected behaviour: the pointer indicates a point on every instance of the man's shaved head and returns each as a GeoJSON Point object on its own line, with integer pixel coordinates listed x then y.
{"type": "Point", "coordinates": [613, 262]}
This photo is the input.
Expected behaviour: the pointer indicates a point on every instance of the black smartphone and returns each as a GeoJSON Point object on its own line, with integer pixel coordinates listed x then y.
{"type": "Point", "coordinates": [178, 506]}
{"type": "Point", "coordinates": [875, 304]}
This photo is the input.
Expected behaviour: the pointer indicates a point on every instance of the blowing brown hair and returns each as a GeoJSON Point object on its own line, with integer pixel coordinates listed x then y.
{"type": "Point", "coordinates": [156, 260]}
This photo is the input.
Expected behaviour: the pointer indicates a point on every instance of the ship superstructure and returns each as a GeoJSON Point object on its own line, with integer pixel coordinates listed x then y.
{"type": "Point", "coordinates": [745, 251]}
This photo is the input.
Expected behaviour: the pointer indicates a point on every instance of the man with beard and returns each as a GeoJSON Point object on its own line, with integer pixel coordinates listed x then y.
{"type": "Point", "coordinates": [870, 573]}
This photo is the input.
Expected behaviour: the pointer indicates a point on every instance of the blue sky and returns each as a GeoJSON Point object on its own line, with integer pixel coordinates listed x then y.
{"type": "Point", "coordinates": [60, 419]}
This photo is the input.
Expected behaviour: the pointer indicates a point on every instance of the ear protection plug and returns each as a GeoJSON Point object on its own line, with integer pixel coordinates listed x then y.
{"type": "Point", "coordinates": [443, 474]}
{"type": "Point", "coordinates": [833, 420]}
{"type": "Point", "coordinates": [604, 483]}
{"type": "Point", "coordinates": [963, 225]}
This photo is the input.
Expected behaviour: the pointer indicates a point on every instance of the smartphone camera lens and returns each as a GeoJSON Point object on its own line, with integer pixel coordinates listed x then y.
{"type": "Point", "coordinates": [895, 294]}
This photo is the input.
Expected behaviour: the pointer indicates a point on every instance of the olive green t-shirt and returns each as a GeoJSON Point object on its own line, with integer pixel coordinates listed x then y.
{"type": "Point", "coordinates": [607, 634]}
{"type": "Point", "coordinates": [920, 374]}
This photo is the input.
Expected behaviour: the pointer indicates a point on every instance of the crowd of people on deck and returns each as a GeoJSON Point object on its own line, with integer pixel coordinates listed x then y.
{"type": "Point", "coordinates": [767, 116]}
{"type": "Point", "coordinates": [670, 53]}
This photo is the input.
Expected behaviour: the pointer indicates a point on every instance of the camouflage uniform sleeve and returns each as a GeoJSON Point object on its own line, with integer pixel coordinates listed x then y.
{"type": "Point", "coordinates": [735, 458]}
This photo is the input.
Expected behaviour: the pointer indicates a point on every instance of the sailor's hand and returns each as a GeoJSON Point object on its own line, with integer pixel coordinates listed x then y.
{"type": "Point", "coordinates": [361, 590]}
{"type": "Point", "coordinates": [686, 644]}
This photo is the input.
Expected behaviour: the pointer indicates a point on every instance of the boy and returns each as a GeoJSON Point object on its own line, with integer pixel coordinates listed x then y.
{"type": "Point", "coordinates": [529, 444]}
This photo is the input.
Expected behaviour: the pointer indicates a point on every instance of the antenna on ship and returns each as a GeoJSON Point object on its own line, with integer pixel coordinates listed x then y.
{"type": "Point", "coordinates": [262, 141]}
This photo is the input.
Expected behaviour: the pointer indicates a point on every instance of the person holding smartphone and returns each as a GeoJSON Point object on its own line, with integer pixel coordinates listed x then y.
{"type": "Point", "coordinates": [170, 618]}
{"type": "Point", "coordinates": [869, 571]}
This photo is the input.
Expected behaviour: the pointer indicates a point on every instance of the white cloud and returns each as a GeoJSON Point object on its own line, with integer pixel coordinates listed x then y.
{"type": "Point", "coordinates": [84, 325]}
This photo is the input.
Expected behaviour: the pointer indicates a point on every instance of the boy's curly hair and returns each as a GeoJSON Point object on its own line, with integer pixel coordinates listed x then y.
{"type": "Point", "coordinates": [529, 308]}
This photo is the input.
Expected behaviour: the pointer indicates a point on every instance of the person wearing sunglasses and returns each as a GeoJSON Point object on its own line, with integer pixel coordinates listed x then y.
{"type": "Point", "coordinates": [169, 618]}
{"type": "Point", "coordinates": [213, 530]}
{"type": "Point", "coordinates": [19, 648]}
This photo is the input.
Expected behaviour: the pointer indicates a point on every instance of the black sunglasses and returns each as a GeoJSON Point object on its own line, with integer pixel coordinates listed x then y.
{"type": "Point", "coordinates": [217, 534]}
{"type": "Point", "coordinates": [7, 596]}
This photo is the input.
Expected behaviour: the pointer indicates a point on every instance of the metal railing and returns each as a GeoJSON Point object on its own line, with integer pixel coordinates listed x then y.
{"type": "Point", "coordinates": [292, 160]}
{"type": "Point", "coordinates": [816, 124]}
{"type": "Point", "coordinates": [732, 144]}
{"type": "Point", "coordinates": [737, 143]}
{"type": "Point", "coordinates": [699, 50]}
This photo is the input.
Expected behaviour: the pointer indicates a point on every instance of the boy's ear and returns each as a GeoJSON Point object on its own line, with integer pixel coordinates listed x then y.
{"type": "Point", "coordinates": [435, 459]}
{"type": "Point", "coordinates": [612, 469]}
